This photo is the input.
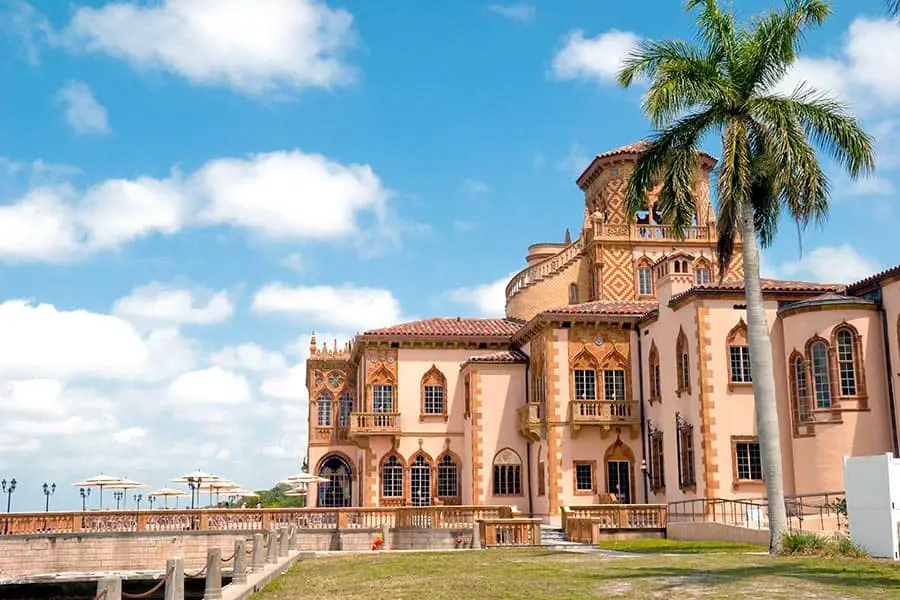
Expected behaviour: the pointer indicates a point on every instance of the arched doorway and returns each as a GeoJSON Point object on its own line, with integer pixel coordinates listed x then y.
{"type": "Point", "coordinates": [619, 460]}
{"type": "Point", "coordinates": [420, 481]}
{"type": "Point", "coordinates": [336, 492]}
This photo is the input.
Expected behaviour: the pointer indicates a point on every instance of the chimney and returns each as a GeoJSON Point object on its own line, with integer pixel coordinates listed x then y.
{"type": "Point", "coordinates": [674, 274]}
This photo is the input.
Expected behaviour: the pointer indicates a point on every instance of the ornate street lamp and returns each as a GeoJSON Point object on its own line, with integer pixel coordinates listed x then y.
{"type": "Point", "coordinates": [150, 501]}
{"type": "Point", "coordinates": [85, 494]}
{"type": "Point", "coordinates": [119, 496]}
{"type": "Point", "coordinates": [137, 500]}
{"type": "Point", "coordinates": [8, 490]}
{"type": "Point", "coordinates": [49, 490]}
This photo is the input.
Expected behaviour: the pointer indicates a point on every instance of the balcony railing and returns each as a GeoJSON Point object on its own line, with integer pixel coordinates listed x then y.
{"type": "Point", "coordinates": [652, 232]}
{"type": "Point", "coordinates": [530, 417]}
{"type": "Point", "coordinates": [374, 423]}
{"type": "Point", "coordinates": [603, 412]}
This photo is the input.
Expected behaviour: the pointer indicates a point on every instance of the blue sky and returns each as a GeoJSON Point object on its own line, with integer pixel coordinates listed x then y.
{"type": "Point", "coordinates": [190, 187]}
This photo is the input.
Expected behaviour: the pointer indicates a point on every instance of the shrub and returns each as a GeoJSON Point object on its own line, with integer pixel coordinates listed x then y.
{"type": "Point", "coordinates": [846, 547]}
{"type": "Point", "coordinates": [800, 542]}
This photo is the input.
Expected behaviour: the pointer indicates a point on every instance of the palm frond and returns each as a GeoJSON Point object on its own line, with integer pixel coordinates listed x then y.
{"type": "Point", "coordinates": [893, 7]}
{"type": "Point", "coordinates": [717, 28]}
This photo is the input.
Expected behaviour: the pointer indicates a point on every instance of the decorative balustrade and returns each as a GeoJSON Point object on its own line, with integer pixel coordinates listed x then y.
{"type": "Point", "coordinates": [588, 523]}
{"type": "Point", "coordinates": [544, 269]}
{"type": "Point", "coordinates": [510, 532]}
{"type": "Point", "coordinates": [666, 233]}
{"type": "Point", "coordinates": [530, 418]}
{"type": "Point", "coordinates": [374, 423]}
{"type": "Point", "coordinates": [248, 519]}
{"type": "Point", "coordinates": [604, 412]}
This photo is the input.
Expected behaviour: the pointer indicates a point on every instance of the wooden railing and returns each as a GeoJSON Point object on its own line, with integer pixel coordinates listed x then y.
{"type": "Point", "coordinates": [587, 412]}
{"type": "Point", "coordinates": [248, 519]}
{"type": "Point", "coordinates": [588, 523]}
{"type": "Point", "coordinates": [510, 532]}
{"type": "Point", "coordinates": [374, 423]}
{"type": "Point", "coordinates": [530, 417]}
{"type": "Point", "coordinates": [544, 269]}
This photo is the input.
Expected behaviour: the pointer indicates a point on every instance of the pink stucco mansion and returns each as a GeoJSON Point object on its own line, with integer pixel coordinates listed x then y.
{"type": "Point", "coordinates": [621, 368]}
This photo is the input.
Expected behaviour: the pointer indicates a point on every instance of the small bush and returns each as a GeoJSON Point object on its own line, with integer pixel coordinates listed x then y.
{"type": "Point", "coordinates": [799, 542]}
{"type": "Point", "coordinates": [846, 547]}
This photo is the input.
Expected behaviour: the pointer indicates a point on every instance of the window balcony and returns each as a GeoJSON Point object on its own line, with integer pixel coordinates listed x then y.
{"type": "Point", "coordinates": [605, 413]}
{"type": "Point", "coordinates": [374, 423]}
{"type": "Point", "coordinates": [530, 417]}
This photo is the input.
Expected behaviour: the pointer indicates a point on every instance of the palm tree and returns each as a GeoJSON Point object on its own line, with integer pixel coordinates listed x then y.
{"type": "Point", "coordinates": [893, 7]}
{"type": "Point", "coordinates": [724, 83]}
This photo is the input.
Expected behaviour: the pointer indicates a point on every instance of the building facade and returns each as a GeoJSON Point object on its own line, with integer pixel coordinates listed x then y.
{"type": "Point", "coordinates": [621, 369]}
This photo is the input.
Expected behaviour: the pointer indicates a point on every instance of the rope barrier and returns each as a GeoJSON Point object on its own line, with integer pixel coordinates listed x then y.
{"type": "Point", "coordinates": [151, 591]}
{"type": "Point", "coordinates": [228, 558]}
{"type": "Point", "coordinates": [100, 595]}
{"type": "Point", "coordinates": [197, 574]}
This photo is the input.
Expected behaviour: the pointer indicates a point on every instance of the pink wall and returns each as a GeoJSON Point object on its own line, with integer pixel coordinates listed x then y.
{"type": "Point", "coordinates": [890, 291]}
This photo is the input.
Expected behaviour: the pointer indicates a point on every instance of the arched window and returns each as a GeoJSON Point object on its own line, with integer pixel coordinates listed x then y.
{"type": "Point", "coordinates": [846, 360]}
{"type": "Point", "coordinates": [584, 376]}
{"type": "Point", "coordinates": [801, 389]}
{"type": "Point", "coordinates": [336, 492]}
{"type": "Point", "coordinates": [392, 477]}
{"type": "Point", "coordinates": [434, 392]}
{"type": "Point", "coordinates": [507, 473]}
{"type": "Point", "coordinates": [818, 358]}
{"type": "Point", "coordinates": [683, 366]}
{"type": "Point", "coordinates": [345, 407]}
{"type": "Point", "coordinates": [573, 293]}
{"type": "Point", "coordinates": [324, 409]}
{"type": "Point", "coordinates": [739, 354]}
{"type": "Point", "coordinates": [420, 481]}
{"type": "Point", "coordinates": [382, 400]}
{"type": "Point", "coordinates": [447, 478]}
{"type": "Point", "coordinates": [645, 277]}
{"type": "Point", "coordinates": [701, 271]}
{"type": "Point", "coordinates": [653, 372]}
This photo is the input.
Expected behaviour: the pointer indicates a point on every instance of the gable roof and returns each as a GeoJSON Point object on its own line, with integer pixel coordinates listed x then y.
{"type": "Point", "coordinates": [450, 327]}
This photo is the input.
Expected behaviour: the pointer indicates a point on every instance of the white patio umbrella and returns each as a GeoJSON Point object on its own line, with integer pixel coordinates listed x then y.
{"type": "Point", "coordinates": [296, 492]}
{"type": "Point", "coordinates": [168, 493]}
{"type": "Point", "coordinates": [303, 478]}
{"type": "Point", "coordinates": [99, 481]}
{"type": "Point", "coordinates": [127, 484]}
{"type": "Point", "coordinates": [195, 481]}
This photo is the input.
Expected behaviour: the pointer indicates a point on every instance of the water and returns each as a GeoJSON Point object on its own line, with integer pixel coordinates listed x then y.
{"type": "Point", "coordinates": [86, 590]}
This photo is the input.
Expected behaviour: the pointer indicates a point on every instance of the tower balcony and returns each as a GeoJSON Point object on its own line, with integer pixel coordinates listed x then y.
{"type": "Point", "coordinates": [530, 418]}
{"type": "Point", "coordinates": [374, 423]}
{"type": "Point", "coordinates": [605, 413]}
{"type": "Point", "coordinates": [703, 234]}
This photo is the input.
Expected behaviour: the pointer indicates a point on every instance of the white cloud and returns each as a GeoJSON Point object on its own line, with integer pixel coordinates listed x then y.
{"type": "Point", "coordinates": [212, 386]}
{"type": "Point", "coordinates": [294, 262]}
{"type": "Point", "coordinates": [290, 385]}
{"type": "Point", "coordinates": [488, 300]}
{"type": "Point", "coordinates": [871, 51]}
{"type": "Point", "coordinates": [827, 264]}
{"type": "Point", "coordinates": [598, 58]}
{"type": "Point", "coordinates": [475, 188]}
{"type": "Point", "coordinates": [82, 111]}
{"type": "Point", "coordinates": [130, 435]}
{"type": "Point", "coordinates": [34, 397]}
{"type": "Point", "coordinates": [25, 27]}
{"type": "Point", "coordinates": [249, 357]}
{"type": "Point", "coordinates": [282, 195]}
{"type": "Point", "coordinates": [158, 304]}
{"type": "Point", "coordinates": [872, 186]}
{"type": "Point", "coordinates": [516, 12]}
{"type": "Point", "coordinates": [290, 44]}
{"type": "Point", "coordinates": [576, 161]}
{"type": "Point", "coordinates": [349, 308]}
{"type": "Point", "coordinates": [289, 195]}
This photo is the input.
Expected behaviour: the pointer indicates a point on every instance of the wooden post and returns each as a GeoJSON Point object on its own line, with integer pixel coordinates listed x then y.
{"type": "Point", "coordinates": [259, 553]}
{"type": "Point", "coordinates": [272, 549]}
{"type": "Point", "coordinates": [112, 586]}
{"type": "Point", "coordinates": [213, 590]}
{"type": "Point", "coordinates": [239, 571]}
{"type": "Point", "coordinates": [174, 579]}
{"type": "Point", "coordinates": [283, 541]}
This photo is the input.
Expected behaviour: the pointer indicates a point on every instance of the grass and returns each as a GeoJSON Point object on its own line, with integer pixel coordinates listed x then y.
{"type": "Point", "coordinates": [672, 547]}
{"type": "Point", "coordinates": [540, 574]}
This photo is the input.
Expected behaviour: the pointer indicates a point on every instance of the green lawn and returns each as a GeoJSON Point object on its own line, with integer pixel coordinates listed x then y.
{"type": "Point", "coordinates": [538, 574]}
{"type": "Point", "coordinates": [673, 547]}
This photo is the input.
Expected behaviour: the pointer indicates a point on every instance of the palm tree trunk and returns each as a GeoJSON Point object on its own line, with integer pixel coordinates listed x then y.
{"type": "Point", "coordinates": [761, 370]}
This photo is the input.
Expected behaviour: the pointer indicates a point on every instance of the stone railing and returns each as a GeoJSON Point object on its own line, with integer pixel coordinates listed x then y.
{"type": "Point", "coordinates": [530, 418]}
{"type": "Point", "coordinates": [605, 231]}
{"type": "Point", "coordinates": [374, 423]}
{"type": "Point", "coordinates": [247, 519]}
{"type": "Point", "coordinates": [594, 412]}
{"type": "Point", "coordinates": [510, 532]}
{"type": "Point", "coordinates": [545, 268]}
{"type": "Point", "coordinates": [588, 524]}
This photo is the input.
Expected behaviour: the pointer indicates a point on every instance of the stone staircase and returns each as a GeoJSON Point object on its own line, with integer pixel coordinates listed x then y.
{"type": "Point", "coordinates": [554, 537]}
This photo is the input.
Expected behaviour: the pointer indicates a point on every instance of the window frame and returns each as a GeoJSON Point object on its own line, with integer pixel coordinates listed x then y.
{"type": "Point", "coordinates": [499, 477]}
{"type": "Point", "coordinates": [645, 276]}
{"type": "Point", "coordinates": [654, 374]}
{"type": "Point", "coordinates": [736, 443]}
{"type": "Point", "coordinates": [682, 364]}
{"type": "Point", "coordinates": [656, 466]}
{"type": "Point", "coordinates": [440, 468]}
{"type": "Point", "coordinates": [738, 340]}
{"type": "Point", "coordinates": [684, 449]}
{"type": "Point", "coordinates": [591, 466]}
{"type": "Point", "coordinates": [820, 374]}
{"type": "Point", "coordinates": [400, 470]}
{"type": "Point", "coordinates": [327, 413]}
{"type": "Point", "coordinates": [433, 381]}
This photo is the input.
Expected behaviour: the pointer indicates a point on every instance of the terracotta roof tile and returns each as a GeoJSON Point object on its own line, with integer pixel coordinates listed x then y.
{"type": "Point", "coordinates": [451, 327]}
{"type": "Point", "coordinates": [503, 356]}
{"type": "Point", "coordinates": [826, 298]}
{"type": "Point", "coordinates": [633, 148]}
{"type": "Point", "coordinates": [768, 285]}
{"type": "Point", "coordinates": [877, 277]}
{"type": "Point", "coordinates": [636, 309]}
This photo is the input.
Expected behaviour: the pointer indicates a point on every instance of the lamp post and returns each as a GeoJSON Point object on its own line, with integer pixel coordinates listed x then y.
{"type": "Point", "coordinates": [150, 501]}
{"type": "Point", "coordinates": [8, 490]}
{"type": "Point", "coordinates": [194, 485]}
{"type": "Point", "coordinates": [119, 496]}
{"type": "Point", "coordinates": [49, 490]}
{"type": "Point", "coordinates": [137, 500]}
{"type": "Point", "coordinates": [85, 494]}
